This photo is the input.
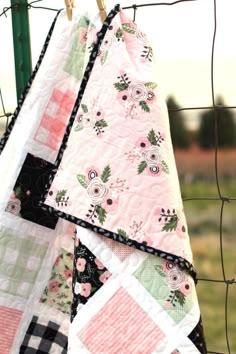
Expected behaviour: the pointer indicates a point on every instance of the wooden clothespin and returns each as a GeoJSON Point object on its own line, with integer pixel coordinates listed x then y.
{"type": "Point", "coordinates": [102, 9]}
{"type": "Point", "coordinates": [69, 6]}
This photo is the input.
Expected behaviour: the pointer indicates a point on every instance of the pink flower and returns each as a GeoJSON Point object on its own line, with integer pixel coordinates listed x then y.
{"type": "Point", "coordinates": [123, 97]}
{"type": "Point", "coordinates": [14, 206]}
{"type": "Point", "coordinates": [142, 143]}
{"type": "Point", "coordinates": [168, 266]}
{"type": "Point", "coordinates": [12, 196]}
{"type": "Point", "coordinates": [110, 204]}
{"type": "Point", "coordinates": [85, 289]}
{"type": "Point", "coordinates": [51, 301]}
{"type": "Point", "coordinates": [151, 97]}
{"type": "Point", "coordinates": [80, 264]}
{"type": "Point", "coordinates": [68, 273]}
{"type": "Point", "coordinates": [157, 211]}
{"type": "Point", "coordinates": [186, 288]}
{"type": "Point", "coordinates": [83, 36]}
{"type": "Point", "coordinates": [53, 286]}
{"type": "Point", "coordinates": [181, 229]}
{"type": "Point", "coordinates": [91, 173]}
{"type": "Point", "coordinates": [105, 276]}
{"type": "Point", "coordinates": [99, 264]}
{"type": "Point", "coordinates": [57, 261]}
{"type": "Point", "coordinates": [28, 192]}
{"type": "Point", "coordinates": [154, 171]}
{"type": "Point", "coordinates": [168, 304]}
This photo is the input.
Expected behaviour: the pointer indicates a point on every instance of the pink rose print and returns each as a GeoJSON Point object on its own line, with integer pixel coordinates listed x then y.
{"type": "Point", "coordinates": [105, 276]}
{"type": "Point", "coordinates": [99, 264]}
{"type": "Point", "coordinates": [85, 289]}
{"type": "Point", "coordinates": [14, 206]}
{"type": "Point", "coordinates": [68, 273]}
{"type": "Point", "coordinates": [110, 204]}
{"type": "Point", "coordinates": [142, 143]}
{"type": "Point", "coordinates": [154, 171]}
{"type": "Point", "coordinates": [54, 286]}
{"type": "Point", "coordinates": [57, 261]}
{"type": "Point", "coordinates": [186, 288]}
{"type": "Point", "coordinates": [80, 265]}
{"type": "Point", "coordinates": [175, 277]}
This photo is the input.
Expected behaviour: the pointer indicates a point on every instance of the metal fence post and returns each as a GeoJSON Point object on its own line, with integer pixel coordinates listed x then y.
{"type": "Point", "coordinates": [21, 40]}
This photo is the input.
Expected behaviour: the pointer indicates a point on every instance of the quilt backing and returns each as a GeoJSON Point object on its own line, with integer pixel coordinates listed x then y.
{"type": "Point", "coordinates": [94, 245]}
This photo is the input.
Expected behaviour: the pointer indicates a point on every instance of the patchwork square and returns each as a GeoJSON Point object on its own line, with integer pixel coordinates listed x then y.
{"type": "Point", "coordinates": [29, 187]}
{"type": "Point", "coordinates": [121, 326]}
{"type": "Point", "coordinates": [16, 276]}
{"type": "Point", "coordinates": [9, 322]}
{"type": "Point", "coordinates": [54, 120]}
{"type": "Point", "coordinates": [120, 250]}
{"type": "Point", "coordinates": [44, 338]}
{"type": "Point", "coordinates": [58, 292]}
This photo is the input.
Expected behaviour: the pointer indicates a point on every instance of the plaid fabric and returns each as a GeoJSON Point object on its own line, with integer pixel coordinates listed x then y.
{"type": "Point", "coordinates": [44, 338]}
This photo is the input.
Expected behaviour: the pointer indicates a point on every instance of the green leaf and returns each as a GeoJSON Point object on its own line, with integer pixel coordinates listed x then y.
{"type": "Point", "coordinates": [164, 166]}
{"type": "Point", "coordinates": [121, 86]}
{"type": "Point", "coordinates": [82, 181]}
{"type": "Point", "coordinates": [106, 174]}
{"type": "Point", "coordinates": [141, 167]}
{"type": "Point", "coordinates": [128, 28]}
{"type": "Point", "coordinates": [122, 233]}
{"type": "Point", "coordinates": [101, 123]}
{"type": "Point", "coordinates": [180, 297]}
{"type": "Point", "coordinates": [152, 137]}
{"type": "Point", "coordinates": [144, 106]}
{"type": "Point", "coordinates": [104, 57]}
{"type": "Point", "coordinates": [151, 85]}
{"type": "Point", "coordinates": [171, 225]}
{"type": "Point", "coordinates": [84, 108]}
{"type": "Point", "coordinates": [44, 300]}
{"type": "Point", "coordinates": [60, 195]}
{"type": "Point", "coordinates": [78, 128]}
{"type": "Point", "coordinates": [159, 270]}
{"type": "Point", "coordinates": [119, 33]}
{"type": "Point", "coordinates": [101, 213]}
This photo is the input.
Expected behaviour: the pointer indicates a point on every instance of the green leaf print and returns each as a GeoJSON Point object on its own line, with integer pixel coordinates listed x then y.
{"type": "Point", "coordinates": [106, 174]}
{"type": "Point", "coordinates": [101, 213]}
{"type": "Point", "coordinates": [128, 28]}
{"type": "Point", "coordinates": [152, 137]}
{"type": "Point", "coordinates": [101, 123]}
{"type": "Point", "coordinates": [180, 297]}
{"type": "Point", "coordinates": [119, 34]}
{"type": "Point", "coordinates": [144, 106]}
{"type": "Point", "coordinates": [82, 181]}
{"type": "Point", "coordinates": [104, 57]}
{"type": "Point", "coordinates": [159, 270]}
{"type": "Point", "coordinates": [122, 233]}
{"type": "Point", "coordinates": [172, 224]}
{"type": "Point", "coordinates": [84, 108]}
{"type": "Point", "coordinates": [164, 166]}
{"type": "Point", "coordinates": [121, 86]}
{"type": "Point", "coordinates": [60, 195]}
{"type": "Point", "coordinates": [141, 167]}
{"type": "Point", "coordinates": [151, 85]}
{"type": "Point", "coordinates": [78, 128]}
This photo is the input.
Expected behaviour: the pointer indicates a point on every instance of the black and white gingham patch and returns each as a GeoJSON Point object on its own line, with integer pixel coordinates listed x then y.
{"type": "Point", "coordinates": [44, 339]}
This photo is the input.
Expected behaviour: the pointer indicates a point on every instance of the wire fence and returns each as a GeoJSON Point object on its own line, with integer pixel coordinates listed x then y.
{"type": "Point", "coordinates": [220, 197]}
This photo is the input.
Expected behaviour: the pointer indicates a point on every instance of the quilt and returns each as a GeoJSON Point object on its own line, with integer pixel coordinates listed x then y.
{"type": "Point", "coordinates": [94, 242]}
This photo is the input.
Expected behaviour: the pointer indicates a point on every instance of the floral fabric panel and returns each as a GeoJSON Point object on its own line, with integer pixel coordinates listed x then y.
{"type": "Point", "coordinates": [84, 38]}
{"type": "Point", "coordinates": [58, 292]}
{"type": "Point", "coordinates": [118, 168]}
{"type": "Point", "coordinates": [89, 275]}
{"type": "Point", "coordinates": [55, 118]}
{"type": "Point", "coordinates": [27, 191]}
{"type": "Point", "coordinates": [172, 288]}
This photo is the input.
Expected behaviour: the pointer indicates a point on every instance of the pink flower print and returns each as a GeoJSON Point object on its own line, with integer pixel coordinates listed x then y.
{"type": "Point", "coordinates": [151, 97]}
{"type": "Point", "coordinates": [157, 211]}
{"type": "Point", "coordinates": [54, 286]}
{"type": "Point", "coordinates": [28, 192]}
{"type": "Point", "coordinates": [175, 278]}
{"type": "Point", "coordinates": [168, 304]}
{"type": "Point", "coordinates": [186, 288]}
{"type": "Point", "coordinates": [80, 264]}
{"type": "Point", "coordinates": [51, 301]}
{"type": "Point", "coordinates": [142, 143]}
{"type": "Point", "coordinates": [123, 97]}
{"type": "Point", "coordinates": [168, 266]}
{"type": "Point", "coordinates": [85, 289]}
{"type": "Point", "coordinates": [14, 206]}
{"type": "Point", "coordinates": [68, 273]}
{"type": "Point", "coordinates": [181, 229]}
{"type": "Point", "coordinates": [83, 36]}
{"type": "Point", "coordinates": [57, 261]}
{"type": "Point", "coordinates": [110, 204]}
{"type": "Point", "coordinates": [99, 263]}
{"type": "Point", "coordinates": [91, 173]}
{"type": "Point", "coordinates": [154, 171]}
{"type": "Point", "coordinates": [105, 276]}
{"type": "Point", "coordinates": [97, 190]}
{"type": "Point", "coordinates": [141, 237]}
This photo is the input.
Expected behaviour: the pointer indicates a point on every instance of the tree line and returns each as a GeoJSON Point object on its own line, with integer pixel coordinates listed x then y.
{"type": "Point", "coordinates": [205, 136]}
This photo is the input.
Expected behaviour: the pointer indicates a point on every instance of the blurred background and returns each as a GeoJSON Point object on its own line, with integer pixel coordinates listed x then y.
{"type": "Point", "coordinates": [182, 37]}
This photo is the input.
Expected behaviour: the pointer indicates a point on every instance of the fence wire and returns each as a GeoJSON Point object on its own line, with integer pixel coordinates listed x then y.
{"type": "Point", "coordinates": [216, 108]}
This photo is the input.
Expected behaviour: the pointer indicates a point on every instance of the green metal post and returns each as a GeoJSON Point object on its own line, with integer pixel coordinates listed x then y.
{"type": "Point", "coordinates": [21, 40]}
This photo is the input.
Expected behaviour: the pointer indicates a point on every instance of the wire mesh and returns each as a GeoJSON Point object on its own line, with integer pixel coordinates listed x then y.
{"type": "Point", "coordinates": [220, 196]}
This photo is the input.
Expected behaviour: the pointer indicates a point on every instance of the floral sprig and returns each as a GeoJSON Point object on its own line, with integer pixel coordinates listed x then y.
{"type": "Point", "coordinates": [91, 119]}
{"type": "Point", "coordinates": [19, 195]}
{"type": "Point", "coordinates": [136, 233]}
{"type": "Point", "coordinates": [172, 220]}
{"type": "Point", "coordinates": [61, 198]}
{"type": "Point", "coordinates": [134, 94]}
{"type": "Point", "coordinates": [177, 281]}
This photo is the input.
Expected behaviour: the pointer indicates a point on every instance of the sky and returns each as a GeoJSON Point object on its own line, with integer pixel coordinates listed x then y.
{"type": "Point", "coordinates": [180, 34]}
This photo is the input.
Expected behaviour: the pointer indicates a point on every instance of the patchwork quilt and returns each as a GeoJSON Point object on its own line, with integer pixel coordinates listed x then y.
{"type": "Point", "coordinates": [95, 252]}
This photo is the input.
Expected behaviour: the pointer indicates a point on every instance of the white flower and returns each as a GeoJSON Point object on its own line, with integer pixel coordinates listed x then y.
{"type": "Point", "coordinates": [175, 277]}
{"type": "Point", "coordinates": [138, 92]}
{"type": "Point", "coordinates": [78, 288]}
{"type": "Point", "coordinates": [108, 41]}
{"type": "Point", "coordinates": [152, 156]}
{"type": "Point", "coordinates": [97, 190]}
{"type": "Point", "coordinates": [14, 206]}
